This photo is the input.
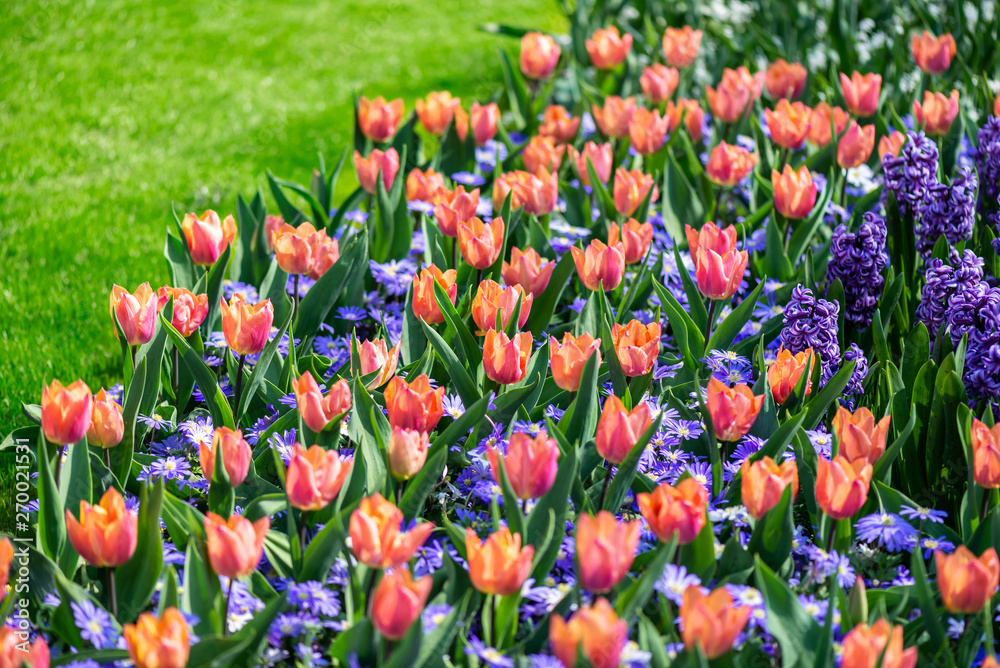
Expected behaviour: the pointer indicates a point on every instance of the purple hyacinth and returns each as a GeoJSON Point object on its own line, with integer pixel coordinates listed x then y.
{"type": "Point", "coordinates": [913, 172]}
{"type": "Point", "coordinates": [974, 311]}
{"type": "Point", "coordinates": [858, 259]}
{"type": "Point", "coordinates": [855, 386]}
{"type": "Point", "coordinates": [987, 159]}
{"type": "Point", "coordinates": [943, 280]}
{"type": "Point", "coordinates": [950, 210]}
{"type": "Point", "coordinates": [812, 323]}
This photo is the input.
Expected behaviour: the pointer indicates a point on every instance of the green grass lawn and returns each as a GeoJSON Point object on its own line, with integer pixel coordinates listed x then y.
{"type": "Point", "coordinates": [113, 110]}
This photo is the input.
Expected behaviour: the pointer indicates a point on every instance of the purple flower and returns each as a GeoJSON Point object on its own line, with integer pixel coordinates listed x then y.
{"type": "Point", "coordinates": [913, 172]}
{"type": "Point", "coordinates": [812, 323]}
{"type": "Point", "coordinates": [950, 211]}
{"type": "Point", "coordinates": [94, 624]}
{"type": "Point", "coordinates": [433, 616]}
{"type": "Point", "coordinates": [488, 655]}
{"type": "Point", "coordinates": [923, 514]}
{"type": "Point", "coordinates": [675, 581]}
{"type": "Point", "coordinates": [468, 179]}
{"type": "Point", "coordinates": [313, 597]}
{"type": "Point", "coordinates": [858, 259]}
{"type": "Point", "coordinates": [855, 384]}
{"type": "Point", "coordinates": [888, 530]}
{"type": "Point", "coordinates": [395, 275]}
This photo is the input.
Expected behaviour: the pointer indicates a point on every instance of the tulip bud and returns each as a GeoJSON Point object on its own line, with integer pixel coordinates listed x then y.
{"type": "Point", "coordinates": [6, 558]}
{"type": "Point", "coordinates": [106, 534]}
{"type": "Point", "coordinates": [763, 482]}
{"type": "Point", "coordinates": [315, 477]}
{"type": "Point", "coordinates": [379, 119]}
{"type": "Point", "coordinates": [158, 643]}
{"type": "Point", "coordinates": [855, 146]}
{"type": "Point", "coordinates": [659, 82]}
{"type": "Point", "coordinates": [272, 223]}
{"type": "Point", "coordinates": [491, 299]}
{"type": "Point", "coordinates": [375, 356]}
{"type": "Point", "coordinates": [680, 46]}
{"type": "Point", "coordinates": [414, 405]}
{"type": "Point", "coordinates": [235, 545]}
{"type": "Point", "coordinates": [505, 360]}
{"type": "Point", "coordinates": [857, 600]}
{"type": "Point", "coordinates": [635, 237]}
{"type": "Point", "coordinates": [67, 412]}
{"type": "Point", "coordinates": [437, 111]}
{"type": "Point", "coordinates": [735, 94]}
{"type": "Point", "coordinates": [499, 565]}
{"type": "Point", "coordinates": [786, 370]}
{"type": "Point", "coordinates": [539, 55]}
{"type": "Point", "coordinates": [630, 190]}
{"type": "Point", "coordinates": [618, 430]}
{"type": "Point", "coordinates": [986, 454]}
{"type": "Point", "coordinates": [320, 411]}
{"type": "Point", "coordinates": [423, 185]}
{"type": "Point", "coordinates": [525, 269]}
{"type": "Point", "coordinates": [377, 540]}
{"type": "Point", "coordinates": [637, 346]}
{"type": "Point", "coordinates": [789, 123]}
{"type": "Point", "coordinates": [246, 327]}
{"type": "Point", "coordinates": [569, 358]}
{"type": "Point", "coordinates": [842, 486]}
{"type": "Point", "coordinates": [719, 277]}
{"type": "Point", "coordinates": [425, 304]}
{"type": "Point", "coordinates": [890, 145]}
{"type": "Point", "coordinates": [481, 243]}
{"type": "Point", "coordinates": [711, 621]}
{"type": "Point", "coordinates": [107, 425]}
{"type": "Point", "coordinates": [794, 192]}
{"type": "Point", "coordinates": [647, 131]}
{"type": "Point", "coordinates": [135, 313]}
{"type": "Point", "coordinates": [691, 113]}
{"type": "Point", "coordinates": [398, 601]}
{"type": "Point", "coordinates": [675, 511]}
{"type": "Point", "coordinates": [596, 630]}
{"type": "Point", "coordinates": [407, 451]}
{"type": "Point", "coordinates": [933, 54]}
{"type": "Point", "coordinates": [819, 125]}
{"type": "Point", "coordinates": [784, 80]}
{"type": "Point", "coordinates": [860, 437]}
{"type": "Point", "coordinates": [861, 92]}
{"type": "Point", "coordinates": [236, 455]}
{"type": "Point", "coordinates": [189, 309]}
{"type": "Point", "coordinates": [937, 112]}
{"type": "Point", "coordinates": [207, 237]}
{"type": "Point", "coordinates": [454, 209]}
{"type": "Point", "coordinates": [878, 645]}
{"type": "Point", "coordinates": [600, 158]}
{"type": "Point", "coordinates": [531, 464]}
{"type": "Point", "coordinates": [614, 117]}
{"type": "Point", "coordinates": [729, 164]}
{"type": "Point", "coordinates": [542, 151]}
{"type": "Point", "coordinates": [966, 582]}
{"type": "Point", "coordinates": [607, 48]}
{"type": "Point", "coordinates": [368, 169]}
{"type": "Point", "coordinates": [484, 121]}
{"type": "Point", "coordinates": [605, 549]}
{"type": "Point", "coordinates": [732, 409]}
{"type": "Point", "coordinates": [558, 124]}
{"type": "Point", "coordinates": [600, 267]}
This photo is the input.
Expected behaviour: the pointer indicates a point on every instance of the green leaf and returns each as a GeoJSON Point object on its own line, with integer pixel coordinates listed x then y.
{"type": "Point", "coordinates": [140, 574]}
{"type": "Point", "coordinates": [202, 593]}
{"type": "Point", "coordinates": [544, 305]}
{"type": "Point", "coordinates": [727, 330]}
{"type": "Point", "coordinates": [631, 601]}
{"type": "Point", "coordinates": [698, 556]}
{"type": "Point", "coordinates": [218, 404]}
{"type": "Point", "coordinates": [622, 481]}
{"type": "Point", "coordinates": [368, 428]}
{"type": "Point", "coordinates": [466, 387]}
{"type": "Point", "coordinates": [321, 298]}
{"type": "Point", "coordinates": [213, 287]}
{"type": "Point", "coordinates": [322, 551]}
{"type": "Point", "coordinates": [772, 537]}
{"type": "Point", "coordinates": [215, 651]}
{"type": "Point", "coordinates": [586, 406]}
{"type": "Point", "coordinates": [795, 630]}
{"type": "Point", "coordinates": [468, 347]}
{"type": "Point", "coordinates": [421, 485]}
{"type": "Point", "coordinates": [260, 369]}
{"type": "Point", "coordinates": [817, 406]}
{"type": "Point", "coordinates": [121, 455]}
{"type": "Point", "coordinates": [52, 521]}
{"type": "Point", "coordinates": [555, 500]}
{"type": "Point", "coordinates": [291, 213]}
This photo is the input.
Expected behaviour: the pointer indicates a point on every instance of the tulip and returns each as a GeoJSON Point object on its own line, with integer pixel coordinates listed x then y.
{"type": "Point", "coordinates": [135, 313]}
{"type": "Point", "coordinates": [414, 405]}
{"type": "Point", "coordinates": [558, 124]}
{"type": "Point", "coordinates": [376, 538]}
{"type": "Point", "coordinates": [605, 549]}
{"type": "Point", "coordinates": [784, 80]}
{"type": "Point", "coordinates": [106, 534]}
{"type": "Point", "coordinates": [207, 237]}
{"type": "Point", "coordinates": [481, 243]}
{"type": "Point", "coordinates": [711, 621]}
{"type": "Point", "coordinates": [614, 117]}
{"type": "Point", "coordinates": [600, 158]}
{"type": "Point", "coordinates": [600, 267]}
{"type": "Point", "coordinates": [647, 131]}
{"type": "Point", "coordinates": [530, 464]}
{"type": "Point", "coordinates": [861, 92]}
{"type": "Point", "coordinates": [315, 477]}
{"type": "Point", "coordinates": [763, 482]}
{"type": "Point", "coordinates": [379, 119]}
{"type": "Point", "coordinates": [734, 94]}
{"type": "Point", "coordinates": [680, 46]}
{"type": "Point", "coordinates": [637, 346]}
{"type": "Point", "coordinates": [542, 151]}
{"type": "Point", "coordinates": [732, 409]}
{"type": "Point", "coordinates": [398, 601]}
{"type": "Point", "coordinates": [425, 304]}
{"type": "Point", "coordinates": [491, 299]}
{"type": "Point", "coordinates": [634, 236]}
{"type": "Point", "coordinates": [454, 208]}
{"type": "Point", "coordinates": [6, 558]}
{"type": "Point", "coordinates": [890, 145]}
{"type": "Point", "coordinates": [729, 164]}
{"type": "Point", "coordinates": [659, 82]}
{"type": "Point", "coordinates": [246, 327]}
{"type": "Point", "coordinates": [536, 192]}
{"type": "Point", "coordinates": [859, 435]}
{"type": "Point", "coordinates": [986, 454]}
{"type": "Point", "coordinates": [189, 309]}
{"type": "Point", "coordinates": [607, 48]}
{"type": "Point", "coordinates": [14, 649]}
{"type": "Point", "coordinates": [596, 630]}
{"type": "Point", "coordinates": [525, 269]}
{"type": "Point", "coordinates": [423, 185]}
{"type": "Point", "coordinates": [437, 111]}
{"type": "Point", "coordinates": [272, 223]}
{"type": "Point", "coordinates": [163, 642]}
{"type": "Point", "coordinates": [368, 169]}
{"type": "Point", "coordinates": [631, 189]}
{"type": "Point", "coordinates": [855, 146]}
{"type": "Point", "coordinates": [504, 185]}
{"type": "Point", "coordinates": [569, 358]}
{"type": "Point", "coordinates": [107, 425]}
{"type": "Point", "coordinates": [318, 411]}
{"type": "Point", "coordinates": [407, 451]}
{"type": "Point", "coordinates": [692, 114]}
{"type": "Point", "coordinates": [842, 486]}
{"type": "Point", "coordinates": [675, 511]}
{"type": "Point", "coordinates": [794, 192]}
{"type": "Point", "coordinates": [375, 356]}
{"type": "Point", "coordinates": [996, 105]}
{"type": "Point", "coordinates": [618, 429]}
{"type": "Point", "coordinates": [786, 370]}
{"type": "Point", "coordinates": [66, 411]}
{"type": "Point", "coordinates": [235, 545]}
{"type": "Point", "coordinates": [539, 55]}
{"type": "Point", "coordinates": [789, 123]}
{"type": "Point", "coordinates": [966, 582]}
{"type": "Point", "coordinates": [933, 54]}
{"type": "Point", "coordinates": [484, 120]}
{"type": "Point", "coordinates": [296, 249]}
{"type": "Point", "coordinates": [721, 240]}
{"type": "Point", "coordinates": [325, 254]}
{"type": "Point", "coordinates": [505, 360]}
{"type": "Point", "coordinates": [499, 565]}
{"type": "Point", "coordinates": [236, 454]}
{"type": "Point", "coordinates": [720, 276]}
{"type": "Point", "coordinates": [880, 644]}
{"type": "Point", "coordinates": [819, 126]}
{"type": "Point", "coordinates": [937, 112]}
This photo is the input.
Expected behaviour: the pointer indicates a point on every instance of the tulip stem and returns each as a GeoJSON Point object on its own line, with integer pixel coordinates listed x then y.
{"type": "Point", "coordinates": [718, 198]}
{"type": "Point", "coordinates": [107, 457]}
{"type": "Point", "coordinates": [711, 318]}
{"type": "Point", "coordinates": [607, 482]}
{"type": "Point", "coordinates": [496, 629]}
{"type": "Point", "coordinates": [479, 276]}
{"type": "Point", "coordinates": [225, 613]}
{"type": "Point", "coordinates": [238, 389]}
{"type": "Point", "coordinates": [832, 535]}
{"type": "Point", "coordinates": [454, 253]}
{"type": "Point", "coordinates": [175, 375]}
{"type": "Point", "coordinates": [132, 350]}
{"type": "Point", "coordinates": [112, 593]}
{"type": "Point", "coordinates": [295, 298]}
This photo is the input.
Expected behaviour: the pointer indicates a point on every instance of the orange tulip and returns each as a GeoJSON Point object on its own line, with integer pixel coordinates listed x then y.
{"type": "Point", "coordinates": [763, 482]}
{"type": "Point", "coordinates": [398, 601]}
{"type": "Point", "coordinates": [407, 452]}
{"type": "Point", "coordinates": [236, 454]}
{"type": "Point", "coordinates": [436, 111]}
{"type": "Point", "coordinates": [600, 267]}
{"type": "Point", "coordinates": [558, 124]}
{"type": "Point", "coordinates": [859, 435]}
{"type": "Point", "coordinates": [499, 565]}
{"type": "Point", "coordinates": [937, 112]}
{"type": "Point", "coordinates": [675, 511]}
{"type": "Point", "coordinates": [933, 54]}
{"type": "Point", "coordinates": [711, 621]}
{"type": "Point", "coordinates": [988, 662]}
{"type": "Point", "coordinates": [596, 630]}
{"type": "Point", "coordinates": [537, 192]}
{"type": "Point", "coordinates": [720, 276]}
{"type": "Point", "coordinates": [491, 299]}
{"type": "Point", "coordinates": [504, 185]}
{"type": "Point", "coordinates": [377, 540]}
{"type": "Point", "coordinates": [861, 92]}
{"type": "Point", "coordinates": [855, 146]}
{"type": "Point", "coordinates": [272, 224]}
{"type": "Point", "coordinates": [303, 250]}
{"type": "Point", "coordinates": [505, 360]}
{"type": "Point", "coordinates": [315, 477]}
{"type": "Point", "coordinates": [600, 157]}
{"type": "Point", "coordinates": [635, 237]}
{"type": "Point", "coordinates": [966, 582]}
{"type": "Point", "coordinates": [784, 80]}
{"type": "Point", "coordinates": [986, 454]}
{"type": "Point", "coordinates": [67, 412]}
{"type": "Point", "coordinates": [789, 123]}
{"type": "Point", "coordinates": [735, 94]}
{"type": "Point", "coordinates": [569, 357]}
{"type": "Point", "coordinates": [107, 425]}
{"type": "Point", "coordinates": [819, 126]}
{"type": "Point", "coordinates": [542, 151]}
{"type": "Point", "coordinates": [425, 305]}
{"type": "Point", "coordinates": [189, 309]}
{"type": "Point", "coordinates": [996, 105]}
{"type": "Point", "coordinates": [525, 268]}
{"type": "Point", "coordinates": [379, 119]}
{"type": "Point", "coordinates": [423, 185]}
{"type": "Point", "coordinates": [647, 131]}
{"type": "Point", "coordinates": [607, 48]}
{"type": "Point", "coordinates": [376, 356]}
{"type": "Point", "coordinates": [842, 486]}
{"type": "Point", "coordinates": [6, 558]}
{"type": "Point", "coordinates": [692, 114]}
{"type": "Point", "coordinates": [207, 237]}
{"type": "Point", "coordinates": [637, 346]}
{"type": "Point", "coordinates": [618, 430]}
{"type": "Point", "coordinates": [135, 313]}
{"type": "Point", "coordinates": [15, 651]}
{"type": "Point", "coordinates": [732, 409]}
{"type": "Point", "coordinates": [729, 164]}
{"type": "Point", "coordinates": [880, 644]}
{"type": "Point", "coordinates": [890, 144]}
{"type": "Point", "coordinates": [368, 169]}
{"type": "Point", "coordinates": [484, 120]}
{"type": "Point", "coordinates": [530, 463]}
{"type": "Point", "coordinates": [235, 545]}
{"type": "Point", "coordinates": [680, 46]}
{"type": "Point", "coordinates": [605, 549]}
{"type": "Point", "coordinates": [794, 192]}
{"type": "Point", "coordinates": [539, 55]}
{"type": "Point", "coordinates": [630, 190]}
{"type": "Point", "coordinates": [481, 243]}
{"type": "Point", "coordinates": [325, 254]}
{"type": "Point", "coordinates": [721, 240]}
{"type": "Point", "coordinates": [413, 404]}
{"type": "Point", "coordinates": [614, 117]}
{"type": "Point", "coordinates": [454, 208]}
{"type": "Point", "coordinates": [106, 534]}
{"type": "Point", "coordinates": [786, 370]}
{"type": "Point", "coordinates": [320, 411]}
{"type": "Point", "coordinates": [246, 327]}
{"type": "Point", "coordinates": [659, 82]}
{"type": "Point", "coordinates": [163, 642]}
